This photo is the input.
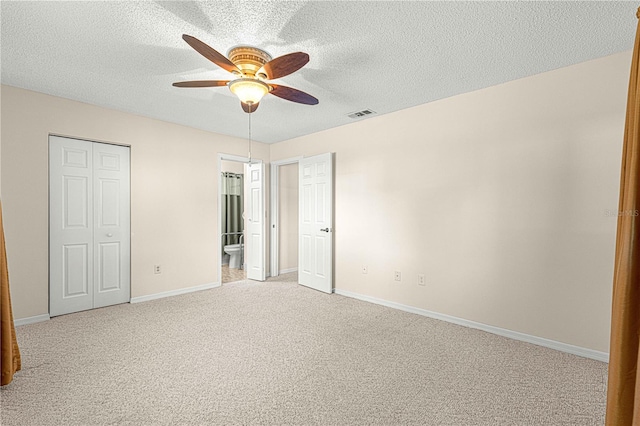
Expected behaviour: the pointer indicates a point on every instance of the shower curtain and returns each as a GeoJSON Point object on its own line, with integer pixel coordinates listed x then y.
{"type": "Point", "coordinates": [232, 207]}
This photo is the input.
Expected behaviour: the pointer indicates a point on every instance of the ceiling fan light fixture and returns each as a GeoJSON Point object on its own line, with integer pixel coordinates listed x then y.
{"type": "Point", "coordinates": [252, 66]}
{"type": "Point", "coordinates": [249, 90]}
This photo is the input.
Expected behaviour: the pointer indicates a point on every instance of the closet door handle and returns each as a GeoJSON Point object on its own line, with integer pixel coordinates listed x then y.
{"type": "Point", "coordinates": [326, 230]}
{"type": "Point", "coordinates": [109, 234]}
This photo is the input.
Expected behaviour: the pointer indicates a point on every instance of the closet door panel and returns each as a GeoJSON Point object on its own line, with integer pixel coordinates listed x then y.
{"type": "Point", "coordinates": [70, 226]}
{"type": "Point", "coordinates": [112, 231]}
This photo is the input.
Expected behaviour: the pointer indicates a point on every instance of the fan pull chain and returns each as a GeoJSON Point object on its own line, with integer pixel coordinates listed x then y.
{"type": "Point", "coordinates": [249, 138]}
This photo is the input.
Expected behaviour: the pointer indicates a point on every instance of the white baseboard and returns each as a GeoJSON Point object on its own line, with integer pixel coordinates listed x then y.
{"type": "Point", "coordinates": [540, 341]}
{"type": "Point", "coordinates": [173, 292]}
{"type": "Point", "coordinates": [286, 271]}
{"type": "Point", "coordinates": [31, 320]}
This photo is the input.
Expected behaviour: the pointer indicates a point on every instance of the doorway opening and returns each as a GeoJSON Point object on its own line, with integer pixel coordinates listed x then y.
{"type": "Point", "coordinates": [232, 196]}
{"type": "Point", "coordinates": [315, 217]}
{"type": "Point", "coordinates": [241, 219]}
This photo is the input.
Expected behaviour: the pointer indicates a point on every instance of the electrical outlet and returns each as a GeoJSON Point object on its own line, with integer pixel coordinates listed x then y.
{"type": "Point", "coordinates": [156, 269]}
{"type": "Point", "coordinates": [365, 269]}
{"type": "Point", "coordinates": [397, 276]}
{"type": "Point", "coordinates": [421, 279]}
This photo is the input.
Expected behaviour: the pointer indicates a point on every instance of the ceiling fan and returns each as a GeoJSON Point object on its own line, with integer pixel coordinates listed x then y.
{"type": "Point", "coordinates": [252, 67]}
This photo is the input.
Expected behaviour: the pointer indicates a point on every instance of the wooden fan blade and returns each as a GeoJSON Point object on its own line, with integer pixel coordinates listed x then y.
{"type": "Point", "coordinates": [293, 95]}
{"type": "Point", "coordinates": [201, 83]}
{"type": "Point", "coordinates": [249, 108]}
{"type": "Point", "coordinates": [284, 65]}
{"type": "Point", "coordinates": [210, 53]}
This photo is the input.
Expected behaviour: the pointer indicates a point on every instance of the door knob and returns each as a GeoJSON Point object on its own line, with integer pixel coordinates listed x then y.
{"type": "Point", "coordinates": [109, 234]}
{"type": "Point", "coordinates": [326, 230]}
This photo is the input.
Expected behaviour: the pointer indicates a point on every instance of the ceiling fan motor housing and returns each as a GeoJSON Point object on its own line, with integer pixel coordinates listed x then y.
{"type": "Point", "coordinates": [248, 59]}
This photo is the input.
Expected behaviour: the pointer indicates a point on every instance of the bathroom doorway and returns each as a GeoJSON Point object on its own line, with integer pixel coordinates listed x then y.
{"type": "Point", "coordinates": [232, 196]}
{"type": "Point", "coordinates": [242, 227]}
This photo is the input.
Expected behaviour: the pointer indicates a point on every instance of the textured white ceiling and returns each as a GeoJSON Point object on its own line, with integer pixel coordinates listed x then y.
{"type": "Point", "coordinates": [385, 56]}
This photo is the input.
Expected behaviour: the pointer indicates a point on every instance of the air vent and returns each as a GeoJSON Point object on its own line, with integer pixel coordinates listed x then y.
{"type": "Point", "coordinates": [360, 114]}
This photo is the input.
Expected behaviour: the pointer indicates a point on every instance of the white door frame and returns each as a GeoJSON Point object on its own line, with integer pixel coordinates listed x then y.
{"type": "Point", "coordinates": [221, 158]}
{"type": "Point", "coordinates": [274, 198]}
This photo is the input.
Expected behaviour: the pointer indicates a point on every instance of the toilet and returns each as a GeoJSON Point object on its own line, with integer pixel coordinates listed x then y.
{"type": "Point", "coordinates": [235, 254]}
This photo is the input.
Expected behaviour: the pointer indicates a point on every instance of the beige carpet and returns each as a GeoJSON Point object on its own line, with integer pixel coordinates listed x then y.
{"type": "Point", "coordinates": [277, 353]}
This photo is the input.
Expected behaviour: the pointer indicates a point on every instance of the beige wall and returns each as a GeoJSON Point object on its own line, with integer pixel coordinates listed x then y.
{"type": "Point", "coordinates": [497, 196]}
{"type": "Point", "coordinates": [288, 216]}
{"type": "Point", "coordinates": [174, 186]}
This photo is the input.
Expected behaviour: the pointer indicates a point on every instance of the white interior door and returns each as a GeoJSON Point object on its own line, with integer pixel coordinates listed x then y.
{"type": "Point", "coordinates": [255, 247]}
{"type": "Point", "coordinates": [89, 236]}
{"type": "Point", "coordinates": [111, 237]}
{"type": "Point", "coordinates": [70, 225]}
{"type": "Point", "coordinates": [315, 222]}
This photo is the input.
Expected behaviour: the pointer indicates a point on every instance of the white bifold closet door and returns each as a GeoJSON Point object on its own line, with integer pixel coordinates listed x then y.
{"type": "Point", "coordinates": [89, 225]}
